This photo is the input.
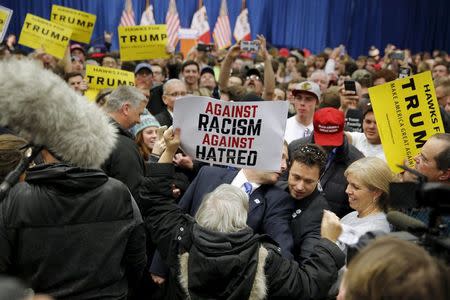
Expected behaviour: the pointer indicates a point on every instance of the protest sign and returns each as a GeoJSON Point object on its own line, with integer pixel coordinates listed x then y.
{"type": "Point", "coordinates": [40, 33]}
{"type": "Point", "coordinates": [407, 114]}
{"type": "Point", "coordinates": [236, 134]}
{"type": "Point", "coordinates": [81, 23]}
{"type": "Point", "coordinates": [143, 42]}
{"type": "Point", "coordinates": [99, 78]}
{"type": "Point", "coordinates": [5, 17]}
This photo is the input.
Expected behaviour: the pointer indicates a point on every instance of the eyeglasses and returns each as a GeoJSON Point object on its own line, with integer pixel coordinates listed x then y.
{"type": "Point", "coordinates": [253, 77]}
{"type": "Point", "coordinates": [177, 94]}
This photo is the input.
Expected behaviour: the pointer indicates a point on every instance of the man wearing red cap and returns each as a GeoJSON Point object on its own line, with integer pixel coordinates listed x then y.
{"type": "Point", "coordinates": [329, 133]}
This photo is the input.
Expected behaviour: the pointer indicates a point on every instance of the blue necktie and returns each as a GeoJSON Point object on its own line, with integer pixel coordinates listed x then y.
{"type": "Point", "coordinates": [248, 188]}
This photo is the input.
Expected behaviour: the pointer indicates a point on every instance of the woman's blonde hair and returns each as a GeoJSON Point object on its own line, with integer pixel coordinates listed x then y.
{"type": "Point", "coordinates": [375, 175]}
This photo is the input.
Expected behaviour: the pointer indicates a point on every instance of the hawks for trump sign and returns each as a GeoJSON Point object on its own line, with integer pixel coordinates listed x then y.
{"type": "Point", "coordinates": [81, 23]}
{"type": "Point", "coordinates": [236, 134]}
{"type": "Point", "coordinates": [407, 114]}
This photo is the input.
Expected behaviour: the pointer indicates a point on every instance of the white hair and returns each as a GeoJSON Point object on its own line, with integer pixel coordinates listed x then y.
{"type": "Point", "coordinates": [170, 82]}
{"type": "Point", "coordinates": [224, 210]}
{"type": "Point", "coordinates": [122, 94]}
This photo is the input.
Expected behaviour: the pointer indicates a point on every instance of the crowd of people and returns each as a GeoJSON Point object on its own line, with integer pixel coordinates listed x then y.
{"type": "Point", "coordinates": [141, 219]}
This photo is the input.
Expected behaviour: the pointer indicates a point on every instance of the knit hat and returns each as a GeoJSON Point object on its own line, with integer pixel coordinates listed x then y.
{"type": "Point", "coordinates": [147, 120]}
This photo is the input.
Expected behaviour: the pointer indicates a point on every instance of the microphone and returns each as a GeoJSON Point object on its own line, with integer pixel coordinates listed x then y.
{"type": "Point", "coordinates": [406, 223]}
{"type": "Point", "coordinates": [41, 107]}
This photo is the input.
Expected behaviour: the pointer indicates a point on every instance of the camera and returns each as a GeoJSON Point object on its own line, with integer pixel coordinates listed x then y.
{"type": "Point", "coordinates": [350, 86]}
{"type": "Point", "coordinates": [205, 47]}
{"type": "Point", "coordinates": [250, 46]}
{"type": "Point", "coordinates": [398, 55]}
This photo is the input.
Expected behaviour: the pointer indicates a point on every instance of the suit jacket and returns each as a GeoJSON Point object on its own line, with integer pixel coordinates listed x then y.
{"type": "Point", "coordinates": [306, 223]}
{"type": "Point", "coordinates": [270, 207]}
{"type": "Point", "coordinates": [164, 118]}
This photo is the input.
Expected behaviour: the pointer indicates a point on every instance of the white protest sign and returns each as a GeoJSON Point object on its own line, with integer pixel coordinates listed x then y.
{"type": "Point", "coordinates": [236, 134]}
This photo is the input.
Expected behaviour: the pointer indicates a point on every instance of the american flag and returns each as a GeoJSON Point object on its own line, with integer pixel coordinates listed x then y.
{"type": "Point", "coordinates": [173, 23]}
{"type": "Point", "coordinates": [127, 18]}
{"type": "Point", "coordinates": [222, 29]}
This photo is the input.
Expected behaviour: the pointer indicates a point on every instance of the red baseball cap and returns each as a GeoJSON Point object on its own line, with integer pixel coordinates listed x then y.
{"type": "Point", "coordinates": [329, 127]}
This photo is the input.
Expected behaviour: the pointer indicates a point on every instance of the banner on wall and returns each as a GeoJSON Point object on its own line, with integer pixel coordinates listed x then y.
{"type": "Point", "coordinates": [5, 17]}
{"type": "Point", "coordinates": [236, 134]}
{"type": "Point", "coordinates": [81, 23]}
{"type": "Point", "coordinates": [40, 33]}
{"type": "Point", "coordinates": [99, 78]}
{"type": "Point", "coordinates": [407, 114]}
{"type": "Point", "coordinates": [143, 42]}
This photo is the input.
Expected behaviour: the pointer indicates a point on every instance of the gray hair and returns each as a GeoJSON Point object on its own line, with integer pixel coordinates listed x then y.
{"type": "Point", "coordinates": [122, 94]}
{"type": "Point", "coordinates": [224, 210]}
{"type": "Point", "coordinates": [169, 83]}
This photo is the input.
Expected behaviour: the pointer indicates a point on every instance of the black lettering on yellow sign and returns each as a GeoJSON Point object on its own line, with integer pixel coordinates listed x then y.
{"type": "Point", "coordinates": [1, 22]}
{"type": "Point", "coordinates": [72, 20]}
{"type": "Point", "coordinates": [415, 118]}
{"type": "Point", "coordinates": [112, 82]}
{"type": "Point", "coordinates": [47, 32]}
{"type": "Point", "coordinates": [143, 38]}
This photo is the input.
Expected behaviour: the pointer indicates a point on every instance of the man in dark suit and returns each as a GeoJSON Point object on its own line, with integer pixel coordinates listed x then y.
{"type": "Point", "coordinates": [172, 90]}
{"type": "Point", "coordinates": [307, 163]}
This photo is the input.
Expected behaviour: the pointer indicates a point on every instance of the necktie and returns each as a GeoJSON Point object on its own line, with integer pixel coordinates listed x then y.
{"type": "Point", "coordinates": [248, 188]}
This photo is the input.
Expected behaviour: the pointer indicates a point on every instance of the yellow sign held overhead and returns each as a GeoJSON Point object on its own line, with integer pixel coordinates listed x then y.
{"type": "Point", "coordinates": [143, 42]}
{"type": "Point", "coordinates": [99, 78]}
{"type": "Point", "coordinates": [407, 114]}
{"type": "Point", "coordinates": [41, 33]}
{"type": "Point", "coordinates": [81, 23]}
{"type": "Point", "coordinates": [5, 17]}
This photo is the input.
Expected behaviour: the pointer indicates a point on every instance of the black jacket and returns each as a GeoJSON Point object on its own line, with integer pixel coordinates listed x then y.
{"type": "Point", "coordinates": [333, 180]}
{"type": "Point", "coordinates": [72, 233]}
{"type": "Point", "coordinates": [125, 162]}
{"type": "Point", "coordinates": [164, 118]}
{"type": "Point", "coordinates": [214, 265]}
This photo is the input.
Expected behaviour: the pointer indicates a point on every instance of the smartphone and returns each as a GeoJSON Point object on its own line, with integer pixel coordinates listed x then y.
{"type": "Point", "coordinates": [399, 55]}
{"type": "Point", "coordinates": [404, 72]}
{"type": "Point", "coordinates": [350, 86]}
{"type": "Point", "coordinates": [205, 47]}
{"type": "Point", "coordinates": [250, 46]}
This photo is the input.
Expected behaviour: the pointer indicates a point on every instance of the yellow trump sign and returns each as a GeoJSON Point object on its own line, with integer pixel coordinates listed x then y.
{"type": "Point", "coordinates": [81, 23]}
{"type": "Point", "coordinates": [5, 17]}
{"type": "Point", "coordinates": [41, 33]}
{"type": "Point", "coordinates": [407, 114]}
{"type": "Point", "coordinates": [99, 78]}
{"type": "Point", "coordinates": [142, 42]}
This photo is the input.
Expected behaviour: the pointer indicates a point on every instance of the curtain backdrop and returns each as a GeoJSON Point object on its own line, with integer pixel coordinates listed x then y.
{"type": "Point", "coordinates": [314, 24]}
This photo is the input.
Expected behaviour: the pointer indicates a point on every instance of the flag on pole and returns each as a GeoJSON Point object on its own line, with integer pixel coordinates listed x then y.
{"type": "Point", "coordinates": [242, 27]}
{"type": "Point", "coordinates": [200, 23]}
{"type": "Point", "coordinates": [147, 16]}
{"type": "Point", "coordinates": [127, 18]}
{"type": "Point", "coordinates": [222, 29]}
{"type": "Point", "coordinates": [173, 23]}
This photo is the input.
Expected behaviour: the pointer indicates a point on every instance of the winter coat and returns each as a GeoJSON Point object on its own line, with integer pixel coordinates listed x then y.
{"type": "Point", "coordinates": [72, 233]}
